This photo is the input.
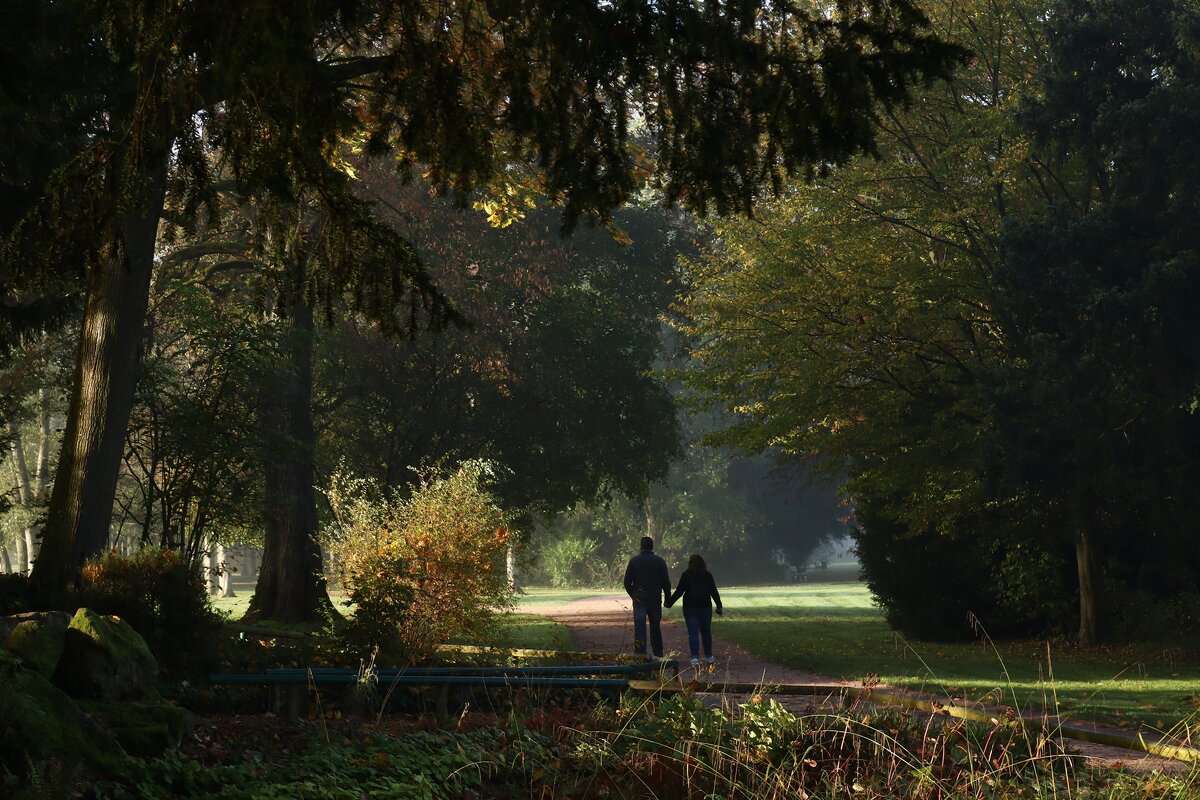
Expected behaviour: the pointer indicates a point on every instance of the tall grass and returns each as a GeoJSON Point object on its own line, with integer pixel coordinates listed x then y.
{"type": "Point", "coordinates": [683, 748]}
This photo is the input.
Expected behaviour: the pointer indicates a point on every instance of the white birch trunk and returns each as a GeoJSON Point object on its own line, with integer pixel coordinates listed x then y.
{"type": "Point", "coordinates": [41, 478]}
{"type": "Point", "coordinates": [225, 574]}
{"type": "Point", "coordinates": [23, 560]}
{"type": "Point", "coordinates": [17, 448]}
{"type": "Point", "coordinates": [30, 535]}
{"type": "Point", "coordinates": [25, 496]}
{"type": "Point", "coordinates": [211, 578]}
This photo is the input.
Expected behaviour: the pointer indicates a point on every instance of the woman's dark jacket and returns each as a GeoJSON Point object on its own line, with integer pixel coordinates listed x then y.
{"type": "Point", "coordinates": [696, 589]}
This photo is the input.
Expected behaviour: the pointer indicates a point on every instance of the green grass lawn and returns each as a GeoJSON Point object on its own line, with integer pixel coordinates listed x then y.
{"type": "Point", "coordinates": [533, 632]}
{"type": "Point", "coordinates": [538, 596]}
{"type": "Point", "coordinates": [233, 607]}
{"type": "Point", "coordinates": [834, 629]}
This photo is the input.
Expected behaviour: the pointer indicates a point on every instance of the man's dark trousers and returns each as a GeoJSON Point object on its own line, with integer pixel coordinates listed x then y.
{"type": "Point", "coordinates": [652, 614]}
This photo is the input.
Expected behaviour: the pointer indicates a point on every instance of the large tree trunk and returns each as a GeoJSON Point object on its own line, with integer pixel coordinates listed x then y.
{"type": "Point", "coordinates": [80, 512]}
{"type": "Point", "coordinates": [291, 582]}
{"type": "Point", "coordinates": [1090, 587]}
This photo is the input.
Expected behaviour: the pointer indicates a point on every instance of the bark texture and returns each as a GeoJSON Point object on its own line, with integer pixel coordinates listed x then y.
{"type": "Point", "coordinates": [1090, 628]}
{"type": "Point", "coordinates": [291, 582]}
{"type": "Point", "coordinates": [80, 512]}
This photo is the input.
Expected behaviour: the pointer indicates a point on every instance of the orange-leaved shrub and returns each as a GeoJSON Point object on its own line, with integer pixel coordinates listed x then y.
{"type": "Point", "coordinates": [422, 568]}
{"type": "Point", "coordinates": [161, 594]}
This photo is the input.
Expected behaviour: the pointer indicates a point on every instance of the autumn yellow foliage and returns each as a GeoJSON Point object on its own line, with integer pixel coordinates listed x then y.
{"type": "Point", "coordinates": [422, 567]}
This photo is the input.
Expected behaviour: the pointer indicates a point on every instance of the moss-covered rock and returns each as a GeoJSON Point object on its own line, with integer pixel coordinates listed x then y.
{"type": "Point", "coordinates": [55, 619]}
{"type": "Point", "coordinates": [104, 658]}
{"type": "Point", "coordinates": [39, 723]}
{"type": "Point", "coordinates": [144, 730]}
{"type": "Point", "coordinates": [37, 644]}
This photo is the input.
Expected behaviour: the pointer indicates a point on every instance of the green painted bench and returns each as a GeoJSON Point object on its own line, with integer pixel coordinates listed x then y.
{"type": "Point", "coordinates": [287, 685]}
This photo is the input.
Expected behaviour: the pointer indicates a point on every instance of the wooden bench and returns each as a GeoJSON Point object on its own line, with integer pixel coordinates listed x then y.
{"type": "Point", "coordinates": [287, 686]}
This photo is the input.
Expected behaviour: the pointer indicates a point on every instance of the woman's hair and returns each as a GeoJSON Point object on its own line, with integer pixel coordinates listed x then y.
{"type": "Point", "coordinates": [696, 564]}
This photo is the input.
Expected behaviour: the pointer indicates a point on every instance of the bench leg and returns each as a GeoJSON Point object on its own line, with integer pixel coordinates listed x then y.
{"type": "Point", "coordinates": [442, 706]}
{"type": "Point", "coordinates": [286, 701]}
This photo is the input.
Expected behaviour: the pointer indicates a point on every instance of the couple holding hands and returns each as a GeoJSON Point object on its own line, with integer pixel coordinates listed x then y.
{"type": "Point", "coordinates": [647, 582]}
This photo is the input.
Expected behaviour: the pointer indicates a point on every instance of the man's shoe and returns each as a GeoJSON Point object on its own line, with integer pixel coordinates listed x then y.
{"type": "Point", "coordinates": [696, 662]}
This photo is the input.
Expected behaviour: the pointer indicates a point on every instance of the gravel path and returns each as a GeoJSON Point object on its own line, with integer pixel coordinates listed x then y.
{"type": "Point", "coordinates": [604, 624]}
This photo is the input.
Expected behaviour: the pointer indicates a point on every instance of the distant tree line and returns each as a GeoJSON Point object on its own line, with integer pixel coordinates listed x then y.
{"type": "Point", "coordinates": [754, 520]}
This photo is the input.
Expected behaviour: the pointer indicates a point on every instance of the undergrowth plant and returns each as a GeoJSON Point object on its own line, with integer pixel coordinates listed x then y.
{"type": "Point", "coordinates": [760, 749]}
{"type": "Point", "coordinates": [678, 748]}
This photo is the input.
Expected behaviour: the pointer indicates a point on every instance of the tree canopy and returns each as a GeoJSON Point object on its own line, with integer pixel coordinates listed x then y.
{"type": "Point", "coordinates": [727, 94]}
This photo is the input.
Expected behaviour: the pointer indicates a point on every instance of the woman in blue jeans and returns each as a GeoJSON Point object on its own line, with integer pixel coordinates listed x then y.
{"type": "Point", "coordinates": [699, 592]}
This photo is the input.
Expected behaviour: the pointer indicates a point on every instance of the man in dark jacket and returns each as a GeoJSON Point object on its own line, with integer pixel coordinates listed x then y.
{"type": "Point", "coordinates": [647, 583]}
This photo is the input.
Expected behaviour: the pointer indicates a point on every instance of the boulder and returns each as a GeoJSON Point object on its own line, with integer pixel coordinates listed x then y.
{"type": "Point", "coordinates": [105, 659]}
{"type": "Point", "coordinates": [37, 644]}
{"type": "Point", "coordinates": [39, 723]}
{"type": "Point", "coordinates": [55, 619]}
{"type": "Point", "coordinates": [144, 730]}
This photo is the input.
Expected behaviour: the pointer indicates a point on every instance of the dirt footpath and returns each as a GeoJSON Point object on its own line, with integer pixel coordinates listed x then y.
{"type": "Point", "coordinates": [604, 624]}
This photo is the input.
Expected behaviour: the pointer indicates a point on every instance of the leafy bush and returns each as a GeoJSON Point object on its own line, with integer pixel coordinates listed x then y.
{"type": "Point", "coordinates": [572, 562]}
{"type": "Point", "coordinates": [421, 569]}
{"type": "Point", "coordinates": [936, 585]}
{"type": "Point", "coordinates": [162, 596]}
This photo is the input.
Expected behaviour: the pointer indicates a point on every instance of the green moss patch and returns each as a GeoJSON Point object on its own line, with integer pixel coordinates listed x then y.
{"type": "Point", "coordinates": [37, 644]}
{"type": "Point", "coordinates": [104, 658]}
{"type": "Point", "coordinates": [39, 723]}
